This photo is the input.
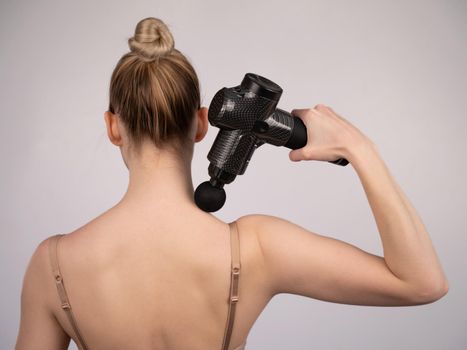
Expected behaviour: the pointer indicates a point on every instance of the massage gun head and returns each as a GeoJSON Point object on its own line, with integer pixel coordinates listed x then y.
{"type": "Point", "coordinates": [209, 197]}
{"type": "Point", "coordinates": [237, 112]}
{"type": "Point", "coordinates": [241, 106]}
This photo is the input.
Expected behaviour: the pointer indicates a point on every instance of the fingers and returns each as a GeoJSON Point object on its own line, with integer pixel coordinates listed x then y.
{"type": "Point", "coordinates": [299, 112]}
{"type": "Point", "coordinates": [319, 108]}
{"type": "Point", "coordinates": [300, 153]}
{"type": "Point", "coordinates": [305, 114]}
{"type": "Point", "coordinates": [297, 154]}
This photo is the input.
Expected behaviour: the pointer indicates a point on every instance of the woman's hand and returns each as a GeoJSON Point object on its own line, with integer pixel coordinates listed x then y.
{"type": "Point", "coordinates": [330, 136]}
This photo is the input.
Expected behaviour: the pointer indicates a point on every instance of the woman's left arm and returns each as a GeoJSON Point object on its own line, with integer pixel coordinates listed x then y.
{"type": "Point", "coordinates": [39, 329]}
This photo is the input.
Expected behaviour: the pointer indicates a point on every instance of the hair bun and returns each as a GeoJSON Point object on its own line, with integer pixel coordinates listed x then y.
{"type": "Point", "coordinates": [152, 39]}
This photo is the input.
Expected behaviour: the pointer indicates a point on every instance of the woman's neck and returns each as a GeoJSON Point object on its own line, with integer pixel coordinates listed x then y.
{"type": "Point", "coordinates": [159, 179]}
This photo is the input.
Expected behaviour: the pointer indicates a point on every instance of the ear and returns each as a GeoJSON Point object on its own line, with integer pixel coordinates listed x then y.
{"type": "Point", "coordinates": [111, 122]}
{"type": "Point", "coordinates": [202, 123]}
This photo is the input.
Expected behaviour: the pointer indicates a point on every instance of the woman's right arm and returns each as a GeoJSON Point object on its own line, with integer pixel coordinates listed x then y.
{"type": "Point", "coordinates": [303, 262]}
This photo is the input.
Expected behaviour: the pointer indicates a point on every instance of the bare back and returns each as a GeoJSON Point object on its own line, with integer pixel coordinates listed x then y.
{"type": "Point", "coordinates": [158, 283]}
{"type": "Point", "coordinates": [158, 276]}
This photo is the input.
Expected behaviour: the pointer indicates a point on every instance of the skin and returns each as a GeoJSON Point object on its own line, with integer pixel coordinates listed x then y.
{"type": "Point", "coordinates": [153, 271]}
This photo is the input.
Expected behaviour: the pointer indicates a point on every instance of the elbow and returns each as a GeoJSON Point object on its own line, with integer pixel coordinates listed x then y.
{"type": "Point", "coordinates": [431, 293]}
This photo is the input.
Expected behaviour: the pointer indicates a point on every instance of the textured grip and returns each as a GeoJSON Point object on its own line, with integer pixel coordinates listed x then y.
{"type": "Point", "coordinates": [298, 136]}
{"type": "Point", "coordinates": [232, 150]}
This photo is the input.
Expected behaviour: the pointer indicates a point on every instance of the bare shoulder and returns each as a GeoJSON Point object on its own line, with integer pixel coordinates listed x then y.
{"type": "Point", "coordinates": [250, 227]}
{"type": "Point", "coordinates": [39, 266]}
{"type": "Point", "coordinates": [258, 221]}
{"type": "Point", "coordinates": [248, 234]}
{"type": "Point", "coordinates": [38, 326]}
{"type": "Point", "coordinates": [39, 272]}
{"type": "Point", "coordinates": [266, 227]}
{"type": "Point", "coordinates": [258, 226]}
{"type": "Point", "coordinates": [38, 280]}
{"type": "Point", "coordinates": [299, 261]}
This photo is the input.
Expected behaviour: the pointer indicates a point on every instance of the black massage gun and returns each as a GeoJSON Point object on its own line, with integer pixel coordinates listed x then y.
{"type": "Point", "coordinates": [247, 117]}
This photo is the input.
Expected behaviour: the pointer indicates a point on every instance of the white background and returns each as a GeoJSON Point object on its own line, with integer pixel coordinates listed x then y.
{"type": "Point", "coordinates": [395, 69]}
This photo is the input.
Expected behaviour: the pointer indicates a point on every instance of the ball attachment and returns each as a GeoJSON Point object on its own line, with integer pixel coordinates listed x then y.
{"type": "Point", "coordinates": [208, 197]}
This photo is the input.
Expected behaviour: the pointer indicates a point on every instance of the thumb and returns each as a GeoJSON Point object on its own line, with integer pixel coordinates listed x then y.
{"type": "Point", "coordinates": [296, 155]}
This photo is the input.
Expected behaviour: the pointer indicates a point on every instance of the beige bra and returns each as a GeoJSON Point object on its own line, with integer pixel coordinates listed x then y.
{"type": "Point", "coordinates": [233, 295]}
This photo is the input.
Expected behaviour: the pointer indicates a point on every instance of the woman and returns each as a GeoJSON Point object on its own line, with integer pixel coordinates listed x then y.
{"type": "Point", "coordinates": [154, 271]}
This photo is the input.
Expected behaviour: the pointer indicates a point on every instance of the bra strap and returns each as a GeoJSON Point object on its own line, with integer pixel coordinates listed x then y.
{"type": "Point", "coordinates": [234, 279]}
{"type": "Point", "coordinates": [65, 303]}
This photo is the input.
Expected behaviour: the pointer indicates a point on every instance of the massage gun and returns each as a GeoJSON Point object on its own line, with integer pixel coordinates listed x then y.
{"type": "Point", "coordinates": [247, 117]}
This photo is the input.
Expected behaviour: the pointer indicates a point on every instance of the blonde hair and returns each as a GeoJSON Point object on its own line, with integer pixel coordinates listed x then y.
{"type": "Point", "coordinates": [154, 88]}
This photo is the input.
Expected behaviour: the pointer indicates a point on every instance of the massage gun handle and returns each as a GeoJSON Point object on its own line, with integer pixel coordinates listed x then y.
{"type": "Point", "coordinates": [298, 139]}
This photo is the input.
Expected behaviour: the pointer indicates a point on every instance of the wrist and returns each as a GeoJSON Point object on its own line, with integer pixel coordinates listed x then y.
{"type": "Point", "coordinates": [362, 152]}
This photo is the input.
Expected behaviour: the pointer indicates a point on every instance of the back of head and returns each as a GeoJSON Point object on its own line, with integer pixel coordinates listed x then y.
{"type": "Point", "coordinates": [154, 88]}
